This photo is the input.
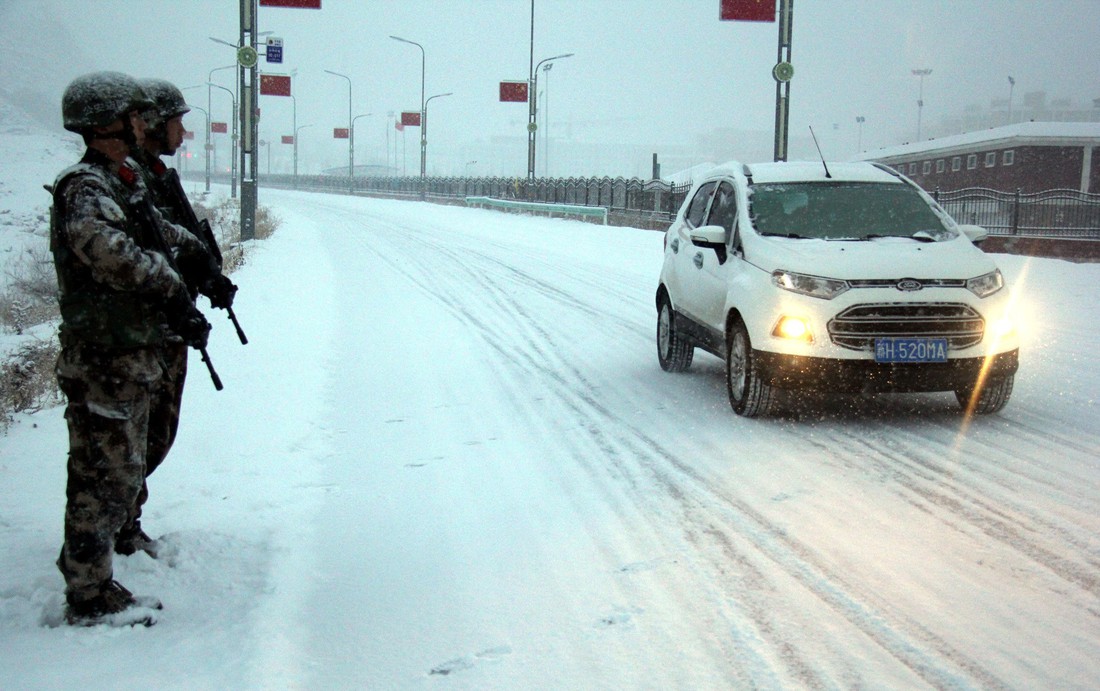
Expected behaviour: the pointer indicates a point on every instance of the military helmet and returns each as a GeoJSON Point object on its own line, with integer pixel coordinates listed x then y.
{"type": "Point", "coordinates": [168, 101]}
{"type": "Point", "coordinates": [99, 98]}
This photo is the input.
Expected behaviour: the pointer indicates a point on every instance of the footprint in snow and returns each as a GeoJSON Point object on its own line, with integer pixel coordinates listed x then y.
{"type": "Point", "coordinates": [467, 662]}
{"type": "Point", "coordinates": [619, 619]}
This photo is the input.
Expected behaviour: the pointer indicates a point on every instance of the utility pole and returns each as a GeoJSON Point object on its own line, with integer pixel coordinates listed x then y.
{"type": "Point", "coordinates": [247, 58]}
{"type": "Point", "coordinates": [782, 73]}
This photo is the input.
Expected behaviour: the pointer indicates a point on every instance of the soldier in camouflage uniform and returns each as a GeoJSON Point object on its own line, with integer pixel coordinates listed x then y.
{"type": "Point", "coordinates": [163, 136]}
{"type": "Point", "coordinates": [120, 301]}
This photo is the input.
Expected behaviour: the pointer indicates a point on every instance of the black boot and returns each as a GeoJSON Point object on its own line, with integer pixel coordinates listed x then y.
{"type": "Point", "coordinates": [113, 605]}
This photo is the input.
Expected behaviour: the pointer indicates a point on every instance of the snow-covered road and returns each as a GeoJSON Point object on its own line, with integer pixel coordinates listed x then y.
{"type": "Point", "coordinates": [448, 457]}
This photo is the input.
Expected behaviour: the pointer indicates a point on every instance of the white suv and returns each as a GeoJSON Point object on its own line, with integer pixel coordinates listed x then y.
{"type": "Point", "coordinates": [840, 277]}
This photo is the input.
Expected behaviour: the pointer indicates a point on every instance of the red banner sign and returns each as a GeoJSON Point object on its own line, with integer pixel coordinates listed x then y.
{"type": "Point", "coordinates": [219, 127]}
{"type": "Point", "coordinates": [398, 126]}
{"type": "Point", "coordinates": [274, 85]}
{"type": "Point", "coordinates": [288, 139]}
{"type": "Point", "coordinates": [302, 4]}
{"type": "Point", "coordinates": [339, 133]}
{"type": "Point", "coordinates": [747, 10]}
{"type": "Point", "coordinates": [410, 119]}
{"type": "Point", "coordinates": [513, 92]}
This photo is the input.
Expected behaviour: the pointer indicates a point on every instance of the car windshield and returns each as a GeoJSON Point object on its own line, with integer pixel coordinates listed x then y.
{"type": "Point", "coordinates": [844, 211]}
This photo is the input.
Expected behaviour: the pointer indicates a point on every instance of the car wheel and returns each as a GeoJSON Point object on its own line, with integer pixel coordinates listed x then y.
{"type": "Point", "coordinates": [992, 397]}
{"type": "Point", "coordinates": [749, 396]}
{"type": "Point", "coordinates": [674, 353]}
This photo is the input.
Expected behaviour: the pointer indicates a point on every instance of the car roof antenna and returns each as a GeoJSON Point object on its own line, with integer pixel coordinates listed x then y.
{"type": "Point", "coordinates": [823, 164]}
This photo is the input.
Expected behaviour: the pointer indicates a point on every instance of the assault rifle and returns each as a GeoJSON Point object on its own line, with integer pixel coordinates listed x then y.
{"type": "Point", "coordinates": [144, 207]}
{"type": "Point", "coordinates": [201, 230]}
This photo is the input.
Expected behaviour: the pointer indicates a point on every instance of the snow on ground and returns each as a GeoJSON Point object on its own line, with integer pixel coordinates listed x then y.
{"type": "Point", "coordinates": [447, 458]}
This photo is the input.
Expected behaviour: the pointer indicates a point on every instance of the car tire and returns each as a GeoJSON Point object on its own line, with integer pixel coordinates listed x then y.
{"type": "Point", "coordinates": [992, 397]}
{"type": "Point", "coordinates": [674, 352]}
{"type": "Point", "coordinates": [749, 396]}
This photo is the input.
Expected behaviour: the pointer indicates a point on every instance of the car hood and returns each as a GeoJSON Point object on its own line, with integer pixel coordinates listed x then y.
{"type": "Point", "coordinates": [882, 258]}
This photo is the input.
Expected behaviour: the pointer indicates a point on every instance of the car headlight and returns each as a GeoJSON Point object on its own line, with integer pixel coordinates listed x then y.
{"type": "Point", "coordinates": [814, 286]}
{"type": "Point", "coordinates": [984, 286]}
{"type": "Point", "coordinates": [793, 328]}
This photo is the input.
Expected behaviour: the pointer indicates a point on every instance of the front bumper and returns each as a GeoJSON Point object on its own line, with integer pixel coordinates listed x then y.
{"type": "Point", "coordinates": [852, 376]}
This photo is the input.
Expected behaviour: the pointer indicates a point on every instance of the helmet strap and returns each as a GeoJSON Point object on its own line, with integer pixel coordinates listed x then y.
{"type": "Point", "coordinates": [126, 135]}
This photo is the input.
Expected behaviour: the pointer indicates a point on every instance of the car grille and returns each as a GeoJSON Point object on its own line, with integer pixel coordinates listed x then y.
{"type": "Point", "coordinates": [858, 326]}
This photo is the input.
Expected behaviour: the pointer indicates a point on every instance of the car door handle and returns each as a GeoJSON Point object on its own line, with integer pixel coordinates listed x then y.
{"type": "Point", "coordinates": [698, 260]}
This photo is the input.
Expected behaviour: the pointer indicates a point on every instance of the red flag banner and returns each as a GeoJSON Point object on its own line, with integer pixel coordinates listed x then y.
{"type": "Point", "coordinates": [302, 4]}
{"type": "Point", "coordinates": [339, 133]}
{"type": "Point", "coordinates": [747, 10]}
{"type": "Point", "coordinates": [288, 139]}
{"type": "Point", "coordinates": [513, 92]}
{"type": "Point", "coordinates": [274, 85]}
{"type": "Point", "coordinates": [219, 127]}
{"type": "Point", "coordinates": [410, 119]}
{"type": "Point", "coordinates": [397, 125]}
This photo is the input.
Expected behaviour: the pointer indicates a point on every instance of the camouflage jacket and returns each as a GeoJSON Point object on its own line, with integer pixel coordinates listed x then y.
{"type": "Point", "coordinates": [152, 171]}
{"type": "Point", "coordinates": [196, 269]}
{"type": "Point", "coordinates": [113, 285]}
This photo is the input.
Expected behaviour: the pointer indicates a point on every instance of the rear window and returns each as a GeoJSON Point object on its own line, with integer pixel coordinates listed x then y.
{"type": "Point", "coordinates": [842, 210]}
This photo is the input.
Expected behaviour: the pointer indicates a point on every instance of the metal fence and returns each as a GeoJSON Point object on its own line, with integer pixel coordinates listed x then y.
{"type": "Point", "coordinates": [1052, 213]}
{"type": "Point", "coordinates": [653, 203]}
{"type": "Point", "coordinates": [1060, 213]}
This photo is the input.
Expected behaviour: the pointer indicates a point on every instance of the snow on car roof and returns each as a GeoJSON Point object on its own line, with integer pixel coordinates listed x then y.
{"type": "Point", "coordinates": [814, 171]}
{"type": "Point", "coordinates": [803, 171]}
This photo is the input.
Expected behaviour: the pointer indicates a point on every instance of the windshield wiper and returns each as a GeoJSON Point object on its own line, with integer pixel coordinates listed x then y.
{"type": "Point", "coordinates": [793, 236]}
{"type": "Point", "coordinates": [919, 236]}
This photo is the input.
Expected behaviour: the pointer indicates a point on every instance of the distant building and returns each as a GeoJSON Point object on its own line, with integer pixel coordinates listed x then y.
{"type": "Point", "coordinates": [1028, 156]}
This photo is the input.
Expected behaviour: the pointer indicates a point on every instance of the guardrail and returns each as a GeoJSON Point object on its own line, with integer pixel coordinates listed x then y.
{"type": "Point", "coordinates": [539, 207]}
{"type": "Point", "coordinates": [615, 201]}
{"type": "Point", "coordinates": [654, 203]}
{"type": "Point", "coordinates": [1048, 214]}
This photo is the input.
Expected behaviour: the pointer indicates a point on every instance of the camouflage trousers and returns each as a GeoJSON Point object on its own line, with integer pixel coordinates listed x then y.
{"type": "Point", "coordinates": [164, 419]}
{"type": "Point", "coordinates": [122, 411]}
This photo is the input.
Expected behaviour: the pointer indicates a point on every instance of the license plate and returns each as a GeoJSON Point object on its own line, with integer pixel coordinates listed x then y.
{"type": "Point", "coordinates": [911, 350]}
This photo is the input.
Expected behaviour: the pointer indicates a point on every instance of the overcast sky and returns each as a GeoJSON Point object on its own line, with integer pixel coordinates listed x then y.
{"type": "Point", "coordinates": [650, 76]}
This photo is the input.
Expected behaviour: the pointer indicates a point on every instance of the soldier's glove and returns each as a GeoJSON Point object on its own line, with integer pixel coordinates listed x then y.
{"type": "Point", "coordinates": [187, 322]}
{"type": "Point", "coordinates": [220, 290]}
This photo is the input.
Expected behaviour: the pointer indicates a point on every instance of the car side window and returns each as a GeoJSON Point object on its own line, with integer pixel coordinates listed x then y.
{"type": "Point", "coordinates": [698, 208]}
{"type": "Point", "coordinates": [723, 211]}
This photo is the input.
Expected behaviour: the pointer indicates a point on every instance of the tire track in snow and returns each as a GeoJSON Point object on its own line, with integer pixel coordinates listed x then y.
{"type": "Point", "coordinates": [936, 662]}
{"type": "Point", "coordinates": [927, 479]}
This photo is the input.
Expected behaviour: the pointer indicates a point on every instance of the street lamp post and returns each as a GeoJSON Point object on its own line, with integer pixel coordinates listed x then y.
{"type": "Point", "coordinates": [922, 73]}
{"type": "Point", "coordinates": [423, 104]}
{"type": "Point", "coordinates": [532, 126]}
{"type": "Point", "coordinates": [424, 137]}
{"type": "Point", "coordinates": [351, 139]}
{"type": "Point", "coordinates": [209, 79]}
{"type": "Point", "coordinates": [546, 119]}
{"type": "Point", "coordinates": [233, 169]}
{"type": "Point", "coordinates": [860, 120]}
{"type": "Point", "coordinates": [1011, 87]}
{"type": "Point", "coordinates": [265, 143]}
{"type": "Point", "coordinates": [351, 135]}
{"type": "Point", "coordinates": [206, 114]}
{"type": "Point", "coordinates": [296, 153]}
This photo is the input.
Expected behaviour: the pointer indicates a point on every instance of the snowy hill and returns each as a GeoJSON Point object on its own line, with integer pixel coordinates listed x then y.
{"type": "Point", "coordinates": [30, 157]}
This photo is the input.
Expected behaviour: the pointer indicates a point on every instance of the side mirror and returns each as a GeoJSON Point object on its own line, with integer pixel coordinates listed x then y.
{"type": "Point", "coordinates": [976, 234]}
{"type": "Point", "coordinates": [709, 236]}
